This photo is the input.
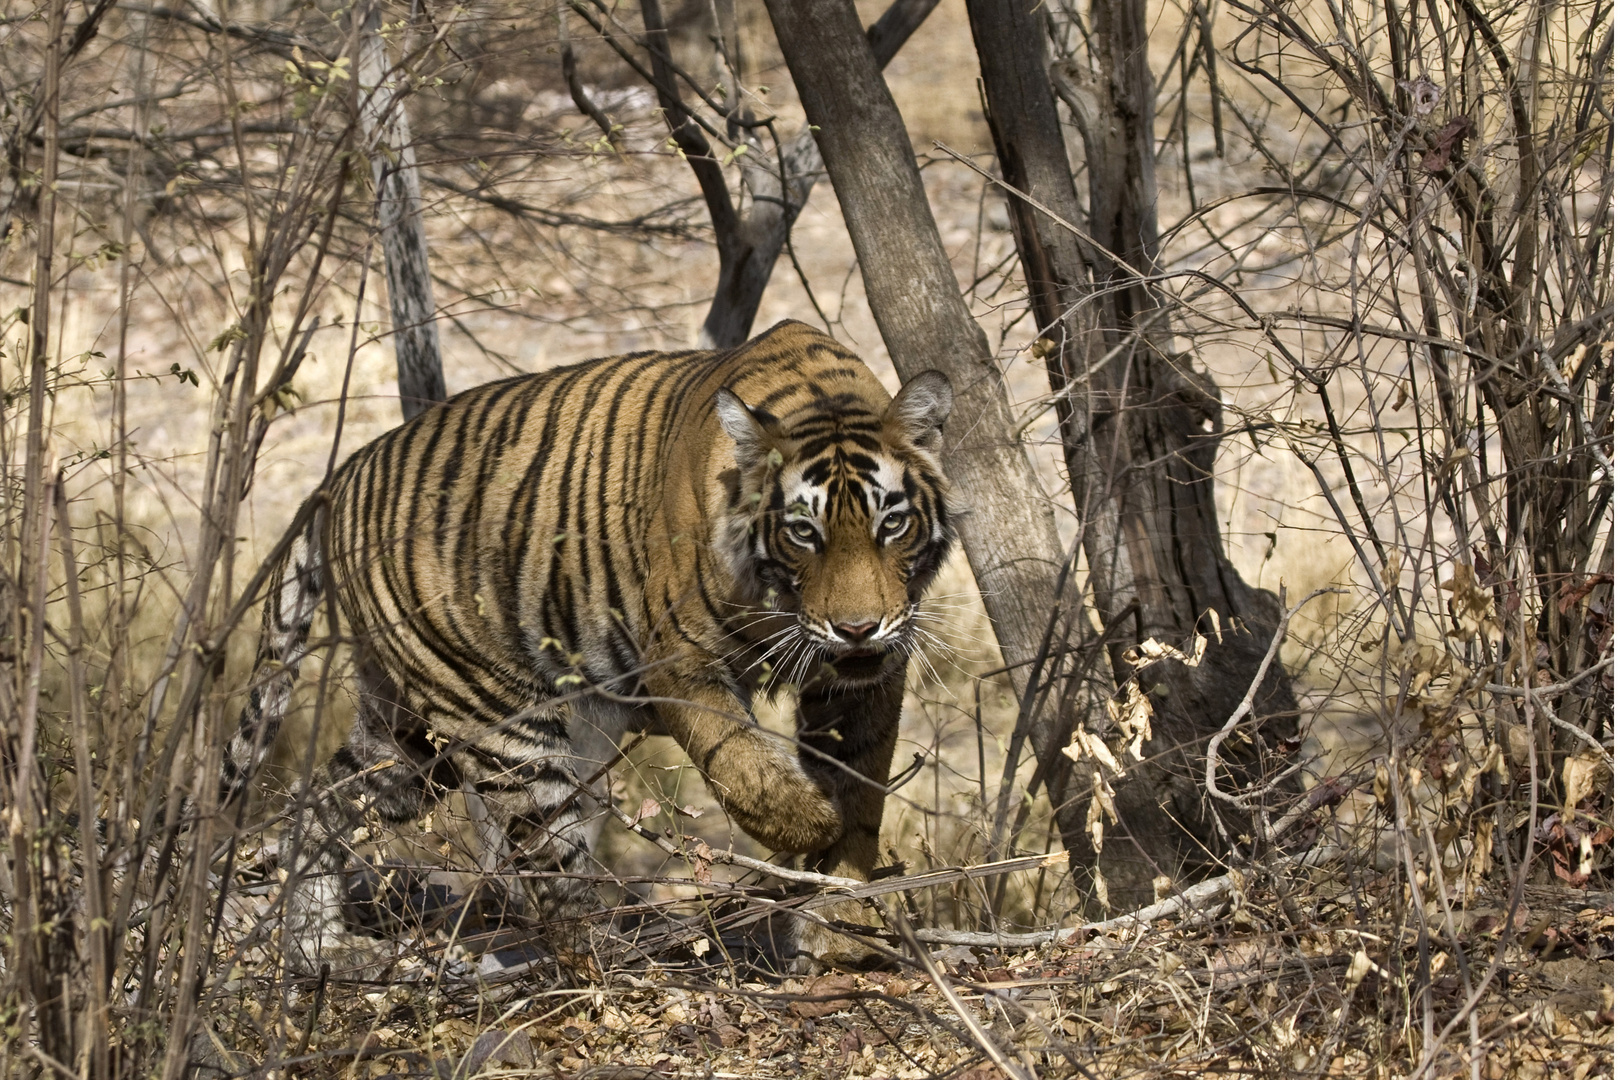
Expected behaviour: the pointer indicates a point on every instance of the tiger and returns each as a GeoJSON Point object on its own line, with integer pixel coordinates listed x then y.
{"type": "Point", "coordinates": [643, 542]}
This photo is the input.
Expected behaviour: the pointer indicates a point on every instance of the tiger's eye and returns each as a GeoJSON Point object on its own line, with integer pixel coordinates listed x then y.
{"type": "Point", "coordinates": [803, 530]}
{"type": "Point", "coordinates": [894, 524]}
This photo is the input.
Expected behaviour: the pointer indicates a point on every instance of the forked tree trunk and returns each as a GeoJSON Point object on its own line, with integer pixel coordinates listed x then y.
{"type": "Point", "coordinates": [750, 236]}
{"type": "Point", "coordinates": [1140, 427]}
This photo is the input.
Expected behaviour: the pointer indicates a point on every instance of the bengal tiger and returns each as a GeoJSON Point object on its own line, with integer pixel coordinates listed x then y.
{"type": "Point", "coordinates": [640, 542]}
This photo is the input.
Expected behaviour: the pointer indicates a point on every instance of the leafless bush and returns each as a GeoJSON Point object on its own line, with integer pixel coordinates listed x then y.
{"type": "Point", "coordinates": [1423, 321]}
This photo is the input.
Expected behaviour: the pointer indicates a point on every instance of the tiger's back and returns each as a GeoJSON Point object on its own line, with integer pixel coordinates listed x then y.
{"type": "Point", "coordinates": [550, 559]}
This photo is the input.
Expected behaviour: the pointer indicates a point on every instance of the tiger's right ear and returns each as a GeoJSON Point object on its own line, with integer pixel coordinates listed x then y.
{"type": "Point", "coordinates": [743, 425]}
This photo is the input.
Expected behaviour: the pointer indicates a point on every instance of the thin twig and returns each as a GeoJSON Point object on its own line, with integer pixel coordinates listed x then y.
{"type": "Point", "coordinates": [995, 1053]}
{"type": "Point", "coordinates": [1537, 696]}
{"type": "Point", "coordinates": [1246, 706]}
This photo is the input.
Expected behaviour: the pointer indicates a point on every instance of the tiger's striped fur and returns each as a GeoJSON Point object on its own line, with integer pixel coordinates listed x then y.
{"type": "Point", "coordinates": [645, 541]}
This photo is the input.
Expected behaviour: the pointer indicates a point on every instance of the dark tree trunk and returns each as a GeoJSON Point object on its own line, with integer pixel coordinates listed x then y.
{"type": "Point", "coordinates": [1024, 125]}
{"type": "Point", "coordinates": [1140, 429]}
{"type": "Point", "coordinates": [1009, 536]}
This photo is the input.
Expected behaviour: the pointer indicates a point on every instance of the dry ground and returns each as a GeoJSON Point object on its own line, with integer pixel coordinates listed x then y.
{"type": "Point", "coordinates": [1234, 994]}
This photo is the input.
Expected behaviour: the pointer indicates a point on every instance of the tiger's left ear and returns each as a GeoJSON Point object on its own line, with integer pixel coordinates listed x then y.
{"type": "Point", "coordinates": [744, 427]}
{"type": "Point", "coordinates": [920, 408]}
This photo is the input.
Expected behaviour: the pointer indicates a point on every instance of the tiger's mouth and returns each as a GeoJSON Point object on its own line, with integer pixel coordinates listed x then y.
{"type": "Point", "coordinates": [860, 663]}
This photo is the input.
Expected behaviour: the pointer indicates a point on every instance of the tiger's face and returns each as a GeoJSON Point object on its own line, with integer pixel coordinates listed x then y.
{"type": "Point", "coordinates": [838, 520]}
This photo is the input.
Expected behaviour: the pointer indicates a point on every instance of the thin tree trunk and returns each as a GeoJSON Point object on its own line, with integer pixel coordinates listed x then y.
{"type": "Point", "coordinates": [1008, 531]}
{"type": "Point", "coordinates": [387, 133]}
{"type": "Point", "coordinates": [42, 951]}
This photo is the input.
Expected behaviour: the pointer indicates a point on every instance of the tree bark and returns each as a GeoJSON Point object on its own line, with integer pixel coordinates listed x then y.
{"type": "Point", "coordinates": [1028, 137]}
{"type": "Point", "coordinates": [1008, 531]}
{"type": "Point", "coordinates": [387, 133]}
{"type": "Point", "coordinates": [1140, 429]}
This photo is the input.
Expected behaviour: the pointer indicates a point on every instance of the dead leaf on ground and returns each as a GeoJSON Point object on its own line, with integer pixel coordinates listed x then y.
{"type": "Point", "coordinates": [823, 986]}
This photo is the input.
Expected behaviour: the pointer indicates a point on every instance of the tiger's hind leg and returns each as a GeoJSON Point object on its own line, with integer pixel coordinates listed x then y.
{"type": "Point", "coordinates": [296, 588]}
{"type": "Point", "coordinates": [538, 820]}
{"type": "Point", "coordinates": [385, 772]}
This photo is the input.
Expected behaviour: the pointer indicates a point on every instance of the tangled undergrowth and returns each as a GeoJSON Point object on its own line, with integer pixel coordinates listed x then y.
{"type": "Point", "coordinates": [1298, 972]}
{"type": "Point", "coordinates": [1388, 245]}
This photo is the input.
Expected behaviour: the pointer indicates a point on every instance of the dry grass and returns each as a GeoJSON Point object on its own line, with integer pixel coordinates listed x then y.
{"type": "Point", "coordinates": [1233, 995]}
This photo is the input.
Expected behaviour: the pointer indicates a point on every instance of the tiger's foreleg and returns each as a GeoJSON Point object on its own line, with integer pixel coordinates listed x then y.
{"type": "Point", "coordinates": [754, 775]}
{"type": "Point", "coordinates": [846, 739]}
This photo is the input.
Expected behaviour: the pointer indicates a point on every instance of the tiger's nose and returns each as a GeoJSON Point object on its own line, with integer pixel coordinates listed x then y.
{"type": "Point", "coordinates": [855, 633]}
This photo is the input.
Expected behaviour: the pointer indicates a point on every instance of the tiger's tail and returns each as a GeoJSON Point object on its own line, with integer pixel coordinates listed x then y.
{"type": "Point", "coordinates": [296, 587]}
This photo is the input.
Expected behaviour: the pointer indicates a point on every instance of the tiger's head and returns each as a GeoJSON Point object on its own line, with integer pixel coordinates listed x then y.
{"type": "Point", "coordinates": [838, 514]}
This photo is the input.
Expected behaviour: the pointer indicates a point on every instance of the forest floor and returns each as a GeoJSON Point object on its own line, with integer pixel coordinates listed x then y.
{"type": "Point", "coordinates": [1264, 985]}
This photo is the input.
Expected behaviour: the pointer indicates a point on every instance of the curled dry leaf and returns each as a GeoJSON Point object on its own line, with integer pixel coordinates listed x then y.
{"type": "Point", "coordinates": [1581, 773]}
{"type": "Point", "coordinates": [1446, 141]}
{"type": "Point", "coordinates": [1425, 94]}
{"type": "Point", "coordinates": [702, 860]}
{"type": "Point", "coordinates": [1090, 745]}
{"type": "Point", "coordinates": [1153, 650]}
{"type": "Point", "coordinates": [1102, 805]}
{"type": "Point", "coordinates": [1134, 717]}
{"type": "Point", "coordinates": [1472, 606]}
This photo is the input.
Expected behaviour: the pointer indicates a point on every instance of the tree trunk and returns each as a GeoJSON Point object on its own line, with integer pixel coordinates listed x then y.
{"type": "Point", "coordinates": [387, 134]}
{"type": "Point", "coordinates": [1140, 429]}
{"type": "Point", "coordinates": [1029, 145]}
{"type": "Point", "coordinates": [1008, 530]}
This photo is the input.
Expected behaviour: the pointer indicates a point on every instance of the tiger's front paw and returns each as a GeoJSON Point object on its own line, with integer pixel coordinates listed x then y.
{"type": "Point", "coordinates": [781, 807]}
{"type": "Point", "coordinates": [794, 816]}
{"type": "Point", "coordinates": [822, 947]}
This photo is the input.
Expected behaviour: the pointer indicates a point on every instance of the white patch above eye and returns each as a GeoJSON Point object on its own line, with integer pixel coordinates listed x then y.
{"type": "Point", "coordinates": [888, 480]}
{"type": "Point", "coordinates": [803, 504]}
